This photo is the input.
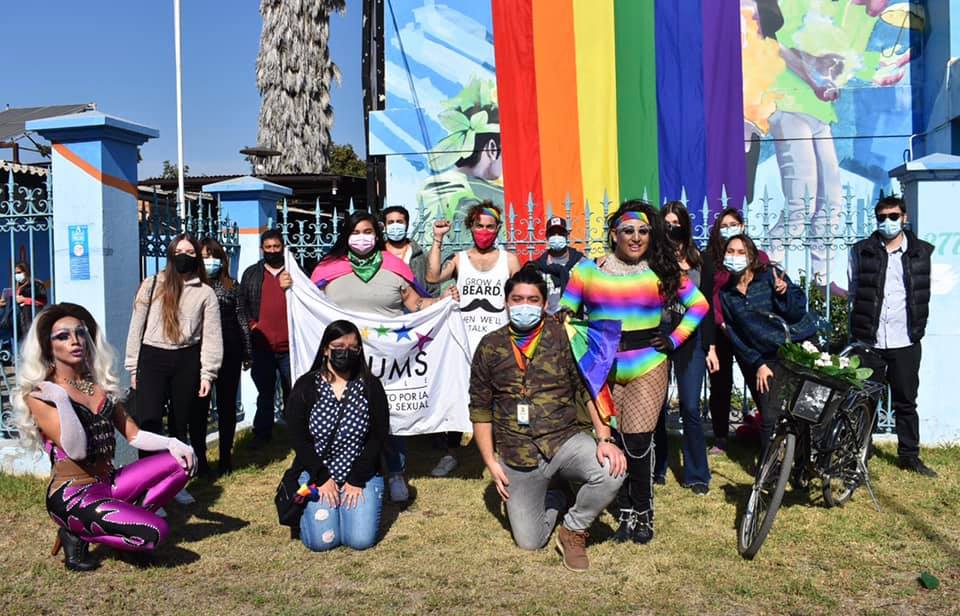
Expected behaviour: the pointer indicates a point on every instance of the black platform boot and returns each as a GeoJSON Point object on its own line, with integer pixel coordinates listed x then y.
{"type": "Point", "coordinates": [76, 555]}
{"type": "Point", "coordinates": [643, 531]}
{"type": "Point", "coordinates": [628, 525]}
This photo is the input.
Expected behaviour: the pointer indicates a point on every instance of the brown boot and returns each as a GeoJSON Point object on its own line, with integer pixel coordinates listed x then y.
{"type": "Point", "coordinates": [573, 548]}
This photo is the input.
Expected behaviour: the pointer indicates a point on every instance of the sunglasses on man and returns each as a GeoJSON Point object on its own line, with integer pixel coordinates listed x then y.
{"type": "Point", "coordinates": [894, 217]}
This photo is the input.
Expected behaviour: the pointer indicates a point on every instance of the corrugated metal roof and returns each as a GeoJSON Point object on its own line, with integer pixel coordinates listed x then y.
{"type": "Point", "coordinates": [12, 121]}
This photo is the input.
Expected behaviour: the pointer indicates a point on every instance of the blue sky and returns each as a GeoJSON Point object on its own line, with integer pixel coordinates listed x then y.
{"type": "Point", "coordinates": [119, 54]}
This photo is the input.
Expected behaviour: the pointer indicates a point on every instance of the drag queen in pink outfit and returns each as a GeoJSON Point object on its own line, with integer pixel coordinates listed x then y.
{"type": "Point", "coordinates": [67, 401]}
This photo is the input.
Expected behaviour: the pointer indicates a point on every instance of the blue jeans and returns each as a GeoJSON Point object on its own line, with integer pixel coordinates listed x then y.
{"type": "Point", "coordinates": [395, 454]}
{"type": "Point", "coordinates": [266, 365]}
{"type": "Point", "coordinates": [323, 528]}
{"type": "Point", "coordinates": [688, 367]}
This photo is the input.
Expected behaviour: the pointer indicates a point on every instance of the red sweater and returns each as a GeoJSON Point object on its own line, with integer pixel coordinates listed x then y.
{"type": "Point", "coordinates": [271, 330]}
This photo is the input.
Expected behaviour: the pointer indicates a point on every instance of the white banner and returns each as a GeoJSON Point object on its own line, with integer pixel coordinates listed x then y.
{"type": "Point", "coordinates": [421, 358]}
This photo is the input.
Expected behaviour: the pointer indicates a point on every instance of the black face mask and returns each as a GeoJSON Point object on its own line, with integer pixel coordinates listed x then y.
{"type": "Point", "coordinates": [185, 264]}
{"type": "Point", "coordinates": [273, 259]}
{"type": "Point", "coordinates": [345, 360]}
{"type": "Point", "coordinates": [676, 233]}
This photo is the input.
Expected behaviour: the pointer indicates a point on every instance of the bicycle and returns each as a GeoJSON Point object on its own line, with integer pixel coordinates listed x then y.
{"type": "Point", "coordinates": [824, 431]}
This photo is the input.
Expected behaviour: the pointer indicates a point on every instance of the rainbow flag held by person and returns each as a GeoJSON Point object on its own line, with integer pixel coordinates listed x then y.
{"type": "Point", "coordinates": [594, 345]}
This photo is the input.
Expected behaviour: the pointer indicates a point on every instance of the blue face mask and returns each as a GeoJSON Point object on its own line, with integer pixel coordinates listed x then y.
{"type": "Point", "coordinates": [525, 316]}
{"type": "Point", "coordinates": [890, 229]}
{"type": "Point", "coordinates": [727, 232]}
{"type": "Point", "coordinates": [735, 263]}
{"type": "Point", "coordinates": [557, 242]}
{"type": "Point", "coordinates": [212, 266]}
{"type": "Point", "coordinates": [396, 232]}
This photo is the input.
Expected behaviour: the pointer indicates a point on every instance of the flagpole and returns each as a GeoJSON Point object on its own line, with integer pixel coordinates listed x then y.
{"type": "Point", "coordinates": [181, 202]}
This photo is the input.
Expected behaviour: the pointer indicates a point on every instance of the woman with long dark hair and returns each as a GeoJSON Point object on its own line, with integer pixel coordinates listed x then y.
{"type": "Point", "coordinates": [237, 347]}
{"type": "Point", "coordinates": [175, 347]}
{"type": "Point", "coordinates": [688, 362]}
{"type": "Point", "coordinates": [636, 281]}
{"type": "Point", "coordinates": [755, 292]}
{"type": "Point", "coordinates": [360, 275]}
{"type": "Point", "coordinates": [720, 354]}
{"type": "Point", "coordinates": [338, 419]}
{"type": "Point", "coordinates": [67, 399]}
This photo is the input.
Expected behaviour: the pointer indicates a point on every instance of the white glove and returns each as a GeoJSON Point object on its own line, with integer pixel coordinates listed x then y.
{"type": "Point", "coordinates": [73, 440]}
{"type": "Point", "coordinates": [150, 441]}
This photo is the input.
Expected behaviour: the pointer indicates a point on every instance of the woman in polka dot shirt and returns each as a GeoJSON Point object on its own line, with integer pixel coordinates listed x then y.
{"type": "Point", "coordinates": [339, 419]}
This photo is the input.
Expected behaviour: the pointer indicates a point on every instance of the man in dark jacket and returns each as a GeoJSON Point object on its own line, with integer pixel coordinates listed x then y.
{"type": "Point", "coordinates": [889, 295]}
{"type": "Point", "coordinates": [557, 261]}
{"type": "Point", "coordinates": [263, 295]}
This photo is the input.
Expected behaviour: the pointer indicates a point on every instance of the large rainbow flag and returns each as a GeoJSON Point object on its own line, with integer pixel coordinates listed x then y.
{"type": "Point", "coordinates": [622, 98]}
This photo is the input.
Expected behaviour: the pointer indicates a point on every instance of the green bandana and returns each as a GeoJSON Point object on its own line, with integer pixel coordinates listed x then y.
{"type": "Point", "coordinates": [366, 267]}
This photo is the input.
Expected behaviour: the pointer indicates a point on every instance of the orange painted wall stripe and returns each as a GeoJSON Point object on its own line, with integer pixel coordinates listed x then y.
{"type": "Point", "coordinates": [103, 178]}
{"type": "Point", "coordinates": [556, 70]}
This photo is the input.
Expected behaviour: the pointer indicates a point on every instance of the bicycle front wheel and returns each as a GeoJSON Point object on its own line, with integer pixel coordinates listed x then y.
{"type": "Point", "coordinates": [767, 494]}
{"type": "Point", "coordinates": [844, 465]}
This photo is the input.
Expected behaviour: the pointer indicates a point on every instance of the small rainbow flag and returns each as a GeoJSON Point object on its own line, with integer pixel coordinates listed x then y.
{"type": "Point", "coordinates": [594, 345]}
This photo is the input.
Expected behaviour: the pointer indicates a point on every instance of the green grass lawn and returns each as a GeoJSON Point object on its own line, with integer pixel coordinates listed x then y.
{"type": "Point", "coordinates": [450, 551]}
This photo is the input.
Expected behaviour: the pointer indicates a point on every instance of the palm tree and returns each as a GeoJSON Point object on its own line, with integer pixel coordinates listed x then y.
{"type": "Point", "coordinates": [294, 72]}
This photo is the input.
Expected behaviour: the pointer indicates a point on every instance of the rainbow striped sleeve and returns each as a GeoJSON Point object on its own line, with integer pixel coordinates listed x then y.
{"type": "Point", "coordinates": [572, 298]}
{"type": "Point", "coordinates": [696, 305]}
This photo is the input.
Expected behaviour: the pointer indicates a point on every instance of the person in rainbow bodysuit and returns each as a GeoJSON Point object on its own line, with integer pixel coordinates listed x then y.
{"type": "Point", "coordinates": [632, 285]}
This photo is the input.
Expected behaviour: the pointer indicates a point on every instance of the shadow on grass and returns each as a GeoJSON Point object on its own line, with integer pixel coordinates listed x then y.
{"type": "Point", "coordinates": [248, 453]}
{"type": "Point", "coordinates": [929, 532]}
{"type": "Point", "coordinates": [423, 453]}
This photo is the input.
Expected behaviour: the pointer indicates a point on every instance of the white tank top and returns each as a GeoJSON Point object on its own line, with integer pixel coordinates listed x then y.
{"type": "Point", "coordinates": [482, 303]}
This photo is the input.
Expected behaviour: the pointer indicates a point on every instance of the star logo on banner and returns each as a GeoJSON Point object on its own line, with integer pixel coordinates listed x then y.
{"type": "Point", "coordinates": [365, 333]}
{"type": "Point", "coordinates": [402, 332]}
{"type": "Point", "coordinates": [382, 331]}
{"type": "Point", "coordinates": [423, 341]}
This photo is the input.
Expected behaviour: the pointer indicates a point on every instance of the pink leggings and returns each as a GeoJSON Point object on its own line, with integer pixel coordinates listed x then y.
{"type": "Point", "coordinates": [118, 511]}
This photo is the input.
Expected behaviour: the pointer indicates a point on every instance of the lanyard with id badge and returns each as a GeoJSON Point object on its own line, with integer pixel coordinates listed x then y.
{"type": "Point", "coordinates": [523, 404]}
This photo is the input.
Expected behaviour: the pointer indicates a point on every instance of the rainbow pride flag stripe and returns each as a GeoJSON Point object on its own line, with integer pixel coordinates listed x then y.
{"type": "Point", "coordinates": [619, 98]}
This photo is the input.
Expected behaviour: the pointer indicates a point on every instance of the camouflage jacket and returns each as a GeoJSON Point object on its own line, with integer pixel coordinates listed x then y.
{"type": "Point", "coordinates": [555, 390]}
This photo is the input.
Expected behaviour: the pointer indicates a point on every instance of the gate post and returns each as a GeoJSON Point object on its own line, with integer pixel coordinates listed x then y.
{"type": "Point", "coordinates": [95, 230]}
{"type": "Point", "coordinates": [251, 203]}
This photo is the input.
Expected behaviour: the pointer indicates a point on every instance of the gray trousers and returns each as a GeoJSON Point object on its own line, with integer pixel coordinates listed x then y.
{"type": "Point", "coordinates": [532, 519]}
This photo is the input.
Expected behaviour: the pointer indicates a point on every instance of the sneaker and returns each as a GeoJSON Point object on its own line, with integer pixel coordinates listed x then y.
{"type": "Point", "coordinates": [183, 497]}
{"type": "Point", "coordinates": [572, 545]}
{"type": "Point", "coordinates": [660, 480]}
{"type": "Point", "coordinates": [700, 489]}
{"type": "Point", "coordinates": [914, 465]}
{"type": "Point", "coordinates": [445, 466]}
{"type": "Point", "coordinates": [398, 488]}
{"type": "Point", "coordinates": [161, 512]}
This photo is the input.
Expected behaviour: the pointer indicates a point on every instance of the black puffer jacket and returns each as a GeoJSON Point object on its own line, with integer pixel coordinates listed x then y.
{"type": "Point", "coordinates": [868, 267]}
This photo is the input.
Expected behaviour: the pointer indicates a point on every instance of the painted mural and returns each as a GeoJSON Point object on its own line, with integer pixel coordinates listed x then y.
{"type": "Point", "coordinates": [805, 101]}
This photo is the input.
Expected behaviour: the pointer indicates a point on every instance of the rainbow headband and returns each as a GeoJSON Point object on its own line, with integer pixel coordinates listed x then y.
{"type": "Point", "coordinates": [492, 212]}
{"type": "Point", "coordinates": [630, 215]}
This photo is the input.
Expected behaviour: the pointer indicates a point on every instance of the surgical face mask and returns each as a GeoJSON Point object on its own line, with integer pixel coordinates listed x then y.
{"type": "Point", "coordinates": [890, 228]}
{"type": "Point", "coordinates": [525, 316]}
{"type": "Point", "coordinates": [20, 276]}
{"type": "Point", "coordinates": [735, 263]}
{"type": "Point", "coordinates": [361, 243]}
{"type": "Point", "coordinates": [185, 263]}
{"type": "Point", "coordinates": [727, 232]}
{"type": "Point", "coordinates": [212, 266]}
{"type": "Point", "coordinates": [345, 360]}
{"type": "Point", "coordinates": [557, 243]}
{"type": "Point", "coordinates": [396, 231]}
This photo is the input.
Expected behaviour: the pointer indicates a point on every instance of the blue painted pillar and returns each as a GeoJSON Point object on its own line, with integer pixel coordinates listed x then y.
{"type": "Point", "coordinates": [251, 203]}
{"type": "Point", "coordinates": [930, 186]}
{"type": "Point", "coordinates": [96, 235]}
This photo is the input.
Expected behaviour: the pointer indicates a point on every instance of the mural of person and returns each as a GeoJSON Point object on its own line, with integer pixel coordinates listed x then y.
{"type": "Point", "coordinates": [466, 163]}
{"type": "Point", "coordinates": [823, 47]}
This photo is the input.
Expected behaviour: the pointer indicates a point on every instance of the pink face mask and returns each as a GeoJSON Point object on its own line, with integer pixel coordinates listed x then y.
{"type": "Point", "coordinates": [484, 238]}
{"type": "Point", "coordinates": [361, 243]}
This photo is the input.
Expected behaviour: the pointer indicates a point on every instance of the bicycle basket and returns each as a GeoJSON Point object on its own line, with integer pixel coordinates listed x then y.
{"type": "Point", "coordinates": [809, 395]}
